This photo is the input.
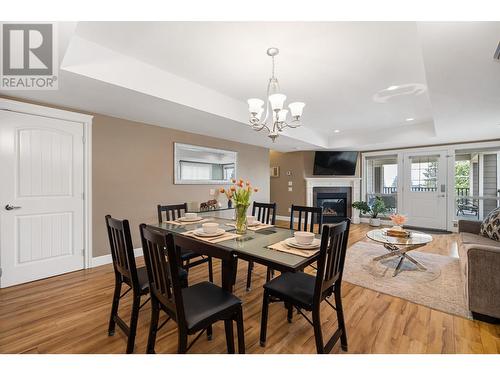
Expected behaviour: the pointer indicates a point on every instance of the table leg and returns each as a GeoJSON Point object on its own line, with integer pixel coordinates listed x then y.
{"type": "Point", "coordinates": [398, 268]}
{"type": "Point", "coordinates": [228, 273]}
{"type": "Point", "coordinates": [388, 255]}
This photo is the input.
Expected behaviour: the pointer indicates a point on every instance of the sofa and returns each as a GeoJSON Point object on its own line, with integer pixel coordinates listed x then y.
{"type": "Point", "coordinates": [480, 269]}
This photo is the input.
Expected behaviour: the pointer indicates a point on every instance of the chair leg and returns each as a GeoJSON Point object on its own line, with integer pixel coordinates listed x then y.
{"type": "Point", "coordinates": [209, 333]}
{"type": "Point", "coordinates": [241, 331]}
{"type": "Point", "coordinates": [114, 306]}
{"type": "Point", "coordinates": [186, 266]}
{"type": "Point", "coordinates": [340, 319]}
{"type": "Point", "coordinates": [289, 314]}
{"type": "Point", "coordinates": [133, 323]}
{"type": "Point", "coordinates": [228, 325]}
{"type": "Point", "coordinates": [263, 320]}
{"type": "Point", "coordinates": [318, 335]}
{"type": "Point", "coordinates": [153, 327]}
{"type": "Point", "coordinates": [210, 270]}
{"type": "Point", "coordinates": [182, 343]}
{"type": "Point", "coordinates": [269, 274]}
{"type": "Point", "coordinates": [249, 275]}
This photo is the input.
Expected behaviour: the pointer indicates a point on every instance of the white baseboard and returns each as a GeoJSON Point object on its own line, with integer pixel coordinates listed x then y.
{"type": "Point", "coordinates": [107, 259]}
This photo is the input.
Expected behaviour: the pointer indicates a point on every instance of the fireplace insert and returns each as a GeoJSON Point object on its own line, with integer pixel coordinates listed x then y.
{"type": "Point", "coordinates": [335, 202]}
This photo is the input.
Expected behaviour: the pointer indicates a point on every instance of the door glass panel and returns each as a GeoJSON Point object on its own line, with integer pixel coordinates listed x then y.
{"type": "Point", "coordinates": [424, 173]}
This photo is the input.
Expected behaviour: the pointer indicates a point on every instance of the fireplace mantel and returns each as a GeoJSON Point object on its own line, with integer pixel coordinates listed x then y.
{"type": "Point", "coordinates": [353, 182]}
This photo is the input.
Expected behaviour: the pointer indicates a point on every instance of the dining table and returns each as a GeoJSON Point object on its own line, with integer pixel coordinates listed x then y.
{"type": "Point", "coordinates": [251, 246]}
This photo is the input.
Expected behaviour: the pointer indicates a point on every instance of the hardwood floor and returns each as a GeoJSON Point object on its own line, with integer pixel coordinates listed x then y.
{"type": "Point", "coordinates": [69, 314]}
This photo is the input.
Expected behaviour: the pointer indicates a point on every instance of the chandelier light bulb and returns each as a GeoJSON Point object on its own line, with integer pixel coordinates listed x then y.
{"type": "Point", "coordinates": [296, 108]}
{"type": "Point", "coordinates": [282, 115]}
{"type": "Point", "coordinates": [255, 105]}
{"type": "Point", "coordinates": [277, 101]}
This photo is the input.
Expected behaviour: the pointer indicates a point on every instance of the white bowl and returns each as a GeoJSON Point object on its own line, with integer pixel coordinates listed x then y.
{"type": "Point", "coordinates": [251, 220]}
{"type": "Point", "coordinates": [210, 228]}
{"type": "Point", "coordinates": [304, 238]}
{"type": "Point", "coordinates": [190, 215]}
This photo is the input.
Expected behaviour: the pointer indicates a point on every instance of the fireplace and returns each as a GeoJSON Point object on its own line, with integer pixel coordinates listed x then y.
{"type": "Point", "coordinates": [335, 201]}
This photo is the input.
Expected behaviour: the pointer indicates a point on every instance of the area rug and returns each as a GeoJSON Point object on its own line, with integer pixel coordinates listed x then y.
{"type": "Point", "coordinates": [440, 287]}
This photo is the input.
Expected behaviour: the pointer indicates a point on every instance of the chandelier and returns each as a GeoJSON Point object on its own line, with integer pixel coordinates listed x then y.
{"type": "Point", "coordinates": [274, 118]}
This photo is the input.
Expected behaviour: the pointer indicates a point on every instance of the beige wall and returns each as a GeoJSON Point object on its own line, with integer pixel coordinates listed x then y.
{"type": "Point", "coordinates": [300, 165]}
{"type": "Point", "coordinates": [133, 172]}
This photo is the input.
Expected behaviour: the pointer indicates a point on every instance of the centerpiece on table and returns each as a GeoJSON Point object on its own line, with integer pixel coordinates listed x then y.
{"type": "Point", "coordinates": [397, 230]}
{"type": "Point", "coordinates": [239, 194]}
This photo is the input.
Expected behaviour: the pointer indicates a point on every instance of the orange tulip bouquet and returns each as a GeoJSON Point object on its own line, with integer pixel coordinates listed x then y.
{"type": "Point", "coordinates": [239, 194]}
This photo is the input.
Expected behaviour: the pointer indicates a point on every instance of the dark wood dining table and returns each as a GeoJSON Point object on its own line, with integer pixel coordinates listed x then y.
{"type": "Point", "coordinates": [251, 246]}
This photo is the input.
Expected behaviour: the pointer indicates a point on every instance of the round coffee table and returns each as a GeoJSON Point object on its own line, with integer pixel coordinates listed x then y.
{"type": "Point", "coordinates": [399, 247]}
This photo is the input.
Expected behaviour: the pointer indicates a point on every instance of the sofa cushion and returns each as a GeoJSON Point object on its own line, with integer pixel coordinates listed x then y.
{"type": "Point", "coordinates": [475, 239]}
{"type": "Point", "coordinates": [491, 225]}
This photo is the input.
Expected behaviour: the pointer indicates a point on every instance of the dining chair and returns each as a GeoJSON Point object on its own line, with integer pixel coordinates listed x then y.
{"type": "Point", "coordinates": [195, 308]}
{"type": "Point", "coordinates": [122, 253]}
{"type": "Point", "coordinates": [265, 213]}
{"type": "Point", "coordinates": [306, 292]}
{"type": "Point", "coordinates": [126, 272]}
{"type": "Point", "coordinates": [173, 212]}
{"type": "Point", "coordinates": [312, 216]}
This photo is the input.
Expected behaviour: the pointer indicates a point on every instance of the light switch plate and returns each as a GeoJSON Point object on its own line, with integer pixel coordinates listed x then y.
{"type": "Point", "coordinates": [290, 188]}
{"type": "Point", "coordinates": [290, 183]}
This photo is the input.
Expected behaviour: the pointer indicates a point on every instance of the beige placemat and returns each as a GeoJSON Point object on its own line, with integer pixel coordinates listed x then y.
{"type": "Point", "coordinates": [178, 222]}
{"type": "Point", "coordinates": [257, 227]}
{"type": "Point", "coordinates": [226, 236]}
{"type": "Point", "coordinates": [281, 246]}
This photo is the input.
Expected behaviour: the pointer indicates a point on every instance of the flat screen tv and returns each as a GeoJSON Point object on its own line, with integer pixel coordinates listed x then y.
{"type": "Point", "coordinates": [335, 163]}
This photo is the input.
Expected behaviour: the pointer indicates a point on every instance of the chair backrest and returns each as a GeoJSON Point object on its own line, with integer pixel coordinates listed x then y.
{"type": "Point", "coordinates": [315, 214]}
{"type": "Point", "coordinates": [265, 212]}
{"type": "Point", "coordinates": [172, 211]}
{"type": "Point", "coordinates": [122, 250]}
{"type": "Point", "coordinates": [331, 257]}
{"type": "Point", "coordinates": [162, 265]}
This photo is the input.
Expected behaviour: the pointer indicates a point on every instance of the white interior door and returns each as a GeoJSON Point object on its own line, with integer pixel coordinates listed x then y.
{"type": "Point", "coordinates": [424, 189]}
{"type": "Point", "coordinates": [41, 197]}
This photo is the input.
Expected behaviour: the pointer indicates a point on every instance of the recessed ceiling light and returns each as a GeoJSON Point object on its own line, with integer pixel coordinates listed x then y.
{"type": "Point", "coordinates": [336, 131]}
{"type": "Point", "coordinates": [392, 88]}
{"type": "Point", "coordinates": [410, 119]}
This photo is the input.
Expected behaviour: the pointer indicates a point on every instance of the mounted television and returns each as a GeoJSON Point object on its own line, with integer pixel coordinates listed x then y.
{"type": "Point", "coordinates": [335, 163]}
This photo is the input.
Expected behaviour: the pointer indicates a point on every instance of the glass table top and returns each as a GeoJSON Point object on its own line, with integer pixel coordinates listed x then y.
{"type": "Point", "coordinates": [252, 244]}
{"type": "Point", "coordinates": [416, 238]}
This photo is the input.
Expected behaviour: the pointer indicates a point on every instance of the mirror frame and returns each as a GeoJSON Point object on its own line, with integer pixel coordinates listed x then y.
{"type": "Point", "coordinates": [177, 179]}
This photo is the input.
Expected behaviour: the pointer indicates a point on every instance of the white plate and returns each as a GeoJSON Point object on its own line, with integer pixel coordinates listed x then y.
{"type": "Point", "coordinates": [200, 233]}
{"type": "Point", "coordinates": [255, 223]}
{"type": "Point", "coordinates": [293, 243]}
{"type": "Point", "coordinates": [197, 218]}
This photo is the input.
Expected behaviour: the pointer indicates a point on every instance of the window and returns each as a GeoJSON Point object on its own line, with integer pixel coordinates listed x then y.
{"type": "Point", "coordinates": [195, 171]}
{"type": "Point", "coordinates": [477, 176]}
{"type": "Point", "coordinates": [382, 180]}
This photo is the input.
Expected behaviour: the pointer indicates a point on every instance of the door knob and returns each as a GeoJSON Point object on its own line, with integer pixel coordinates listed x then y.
{"type": "Point", "coordinates": [10, 207]}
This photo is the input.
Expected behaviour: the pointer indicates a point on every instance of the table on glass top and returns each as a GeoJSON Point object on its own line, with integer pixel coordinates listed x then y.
{"type": "Point", "coordinates": [252, 246]}
{"type": "Point", "coordinates": [400, 246]}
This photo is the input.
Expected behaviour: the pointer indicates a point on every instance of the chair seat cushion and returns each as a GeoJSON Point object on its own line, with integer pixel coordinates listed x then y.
{"type": "Point", "coordinates": [142, 276]}
{"type": "Point", "coordinates": [204, 301]}
{"type": "Point", "coordinates": [296, 287]}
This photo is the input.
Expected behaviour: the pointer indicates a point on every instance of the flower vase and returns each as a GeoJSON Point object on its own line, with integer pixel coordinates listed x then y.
{"type": "Point", "coordinates": [240, 212]}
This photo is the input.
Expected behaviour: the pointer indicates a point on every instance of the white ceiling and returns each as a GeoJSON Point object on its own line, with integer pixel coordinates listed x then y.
{"type": "Point", "coordinates": [197, 77]}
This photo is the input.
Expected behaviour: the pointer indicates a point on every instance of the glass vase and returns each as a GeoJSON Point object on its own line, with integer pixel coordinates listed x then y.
{"type": "Point", "coordinates": [240, 213]}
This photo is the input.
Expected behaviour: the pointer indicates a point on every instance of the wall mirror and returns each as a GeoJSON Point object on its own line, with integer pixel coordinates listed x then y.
{"type": "Point", "coordinates": [203, 165]}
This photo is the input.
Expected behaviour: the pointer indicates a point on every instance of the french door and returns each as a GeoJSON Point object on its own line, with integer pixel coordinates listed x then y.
{"type": "Point", "coordinates": [41, 197]}
{"type": "Point", "coordinates": [424, 195]}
